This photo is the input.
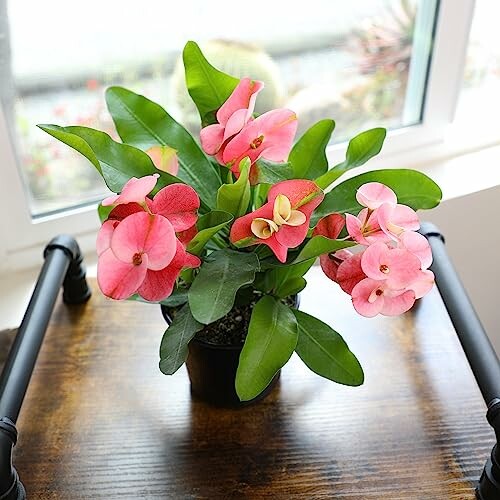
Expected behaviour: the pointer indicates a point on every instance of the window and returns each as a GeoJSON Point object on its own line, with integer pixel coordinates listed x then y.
{"type": "Point", "coordinates": [479, 101]}
{"type": "Point", "coordinates": [364, 63]}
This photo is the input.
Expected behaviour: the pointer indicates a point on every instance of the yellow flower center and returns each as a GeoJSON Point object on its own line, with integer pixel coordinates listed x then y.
{"type": "Point", "coordinates": [263, 228]}
{"type": "Point", "coordinates": [283, 215]}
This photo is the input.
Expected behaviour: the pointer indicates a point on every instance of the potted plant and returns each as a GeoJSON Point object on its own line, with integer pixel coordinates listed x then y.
{"type": "Point", "coordinates": [220, 232]}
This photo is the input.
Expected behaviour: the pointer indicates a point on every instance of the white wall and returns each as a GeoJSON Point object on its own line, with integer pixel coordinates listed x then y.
{"type": "Point", "coordinates": [471, 227]}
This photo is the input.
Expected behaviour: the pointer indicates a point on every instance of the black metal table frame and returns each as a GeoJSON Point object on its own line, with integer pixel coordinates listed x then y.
{"type": "Point", "coordinates": [63, 266]}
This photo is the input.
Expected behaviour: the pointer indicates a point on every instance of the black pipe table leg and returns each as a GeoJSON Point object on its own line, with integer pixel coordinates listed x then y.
{"type": "Point", "coordinates": [63, 266]}
{"type": "Point", "coordinates": [478, 350]}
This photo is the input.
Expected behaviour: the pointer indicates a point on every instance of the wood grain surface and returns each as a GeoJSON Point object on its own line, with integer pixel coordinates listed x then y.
{"type": "Point", "coordinates": [101, 422]}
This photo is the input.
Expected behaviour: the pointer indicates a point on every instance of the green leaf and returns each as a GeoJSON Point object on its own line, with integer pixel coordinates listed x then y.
{"type": "Point", "coordinates": [271, 340]}
{"type": "Point", "coordinates": [103, 212]}
{"type": "Point", "coordinates": [260, 192]}
{"type": "Point", "coordinates": [143, 123]}
{"type": "Point", "coordinates": [174, 344]}
{"type": "Point", "coordinates": [208, 87]}
{"type": "Point", "coordinates": [116, 162]}
{"type": "Point", "coordinates": [325, 352]}
{"type": "Point", "coordinates": [291, 287]}
{"type": "Point", "coordinates": [178, 298]}
{"type": "Point", "coordinates": [212, 293]}
{"type": "Point", "coordinates": [279, 277]}
{"type": "Point", "coordinates": [308, 156]}
{"type": "Point", "coordinates": [270, 172]}
{"type": "Point", "coordinates": [319, 245]}
{"type": "Point", "coordinates": [234, 198]}
{"type": "Point", "coordinates": [412, 188]}
{"type": "Point", "coordinates": [208, 225]}
{"type": "Point", "coordinates": [360, 149]}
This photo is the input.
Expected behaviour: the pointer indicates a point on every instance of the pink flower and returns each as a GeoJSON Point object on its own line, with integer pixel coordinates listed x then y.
{"type": "Point", "coordinates": [391, 273]}
{"type": "Point", "coordinates": [140, 255]}
{"type": "Point", "coordinates": [283, 222]}
{"type": "Point", "coordinates": [396, 266]}
{"type": "Point", "coordinates": [269, 136]}
{"type": "Point", "coordinates": [395, 219]}
{"type": "Point", "coordinates": [134, 191]}
{"type": "Point", "coordinates": [164, 159]}
{"type": "Point", "coordinates": [137, 245]}
{"type": "Point", "coordinates": [371, 297]}
{"type": "Point", "coordinates": [374, 194]}
{"type": "Point", "coordinates": [232, 116]}
{"type": "Point", "coordinates": [140, 242]}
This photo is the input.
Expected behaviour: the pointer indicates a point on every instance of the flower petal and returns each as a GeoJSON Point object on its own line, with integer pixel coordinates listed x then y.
{"type": "Point", "coordinates": [274, 129]}
{"type": "Point", "coordinates": [164, 159]}
{"type": "Point", "coordinates": [354, 227]}
{"type": "Point", "coordinates": [158, 285]}
{"type": "Point", "coordinates": [361, 298]}
{"type": "Point", "coordinates": [187, 235]}
{"type": "Point", "coordinates": [329, 265]}
{"type": "Point", "coordinates": [179, 204]}
{"type": "Point", "coordinates": [135, 190]}
{"type": "Point", "coordinates": [374, 194]}
{"type": "Point", "coordinates": [329, 226]}
{"type": "Point", "coordinates": [278, 249]}
{"type": "Point", "coordinates": [350, 273]}
{"type": "Point", "coordinates": [394, 220]}
{"type": "Point", "coordinates": [282, 209]}
{"type": "Point", "coordinates": [211, 138]}
{"type": "Point", "coordinates": [121, 211]}
{"type": "Point", "coordinates": [423, 285]}
{"type": "Point", "coordinates": [418, 245]}
{"type": "Point", "coordinates": [242, 97]}
{"type": "Point", "coordinates": [397, 303]}
{"type": "Point", "coordinates": [104, 236]}
{"type": "Point", "coordinates": [235, 123]}
{"type": "Point", "coordinates": [117, 279]}
{"type": "Point", "coordinates": [296, 218]}
{"type": "Point", "coordinates": [143, 233]}
{"type": "Point", "coordinates": [292, 236]}
{"type": "Point", "coordinates": [302, 193]}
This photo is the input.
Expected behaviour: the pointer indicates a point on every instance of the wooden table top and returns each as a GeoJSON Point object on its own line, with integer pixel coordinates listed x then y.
{"type": "Point", "coordinates": [100, 420]}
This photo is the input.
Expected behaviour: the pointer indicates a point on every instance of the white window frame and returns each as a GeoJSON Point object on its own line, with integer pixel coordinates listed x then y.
{"type": "Point", "coordinates": [23, 238]}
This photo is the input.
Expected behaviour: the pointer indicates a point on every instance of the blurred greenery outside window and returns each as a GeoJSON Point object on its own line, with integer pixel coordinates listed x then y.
{"type": "Point", "coordinates": [360, 63]}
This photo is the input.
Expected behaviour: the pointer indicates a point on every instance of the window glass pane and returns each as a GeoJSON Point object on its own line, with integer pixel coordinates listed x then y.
{"type": "Point", "coordinates": [361, 63]}
{"type": "Point", "coordinates": [479, 98]}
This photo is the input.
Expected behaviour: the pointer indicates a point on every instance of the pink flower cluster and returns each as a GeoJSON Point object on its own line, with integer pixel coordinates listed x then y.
{"type": "Point", "coordinates": [391, 272]}
{"type": "Point", "coordinates": [237, 134]}
{"type": "Point", "coordinates": [140, 246]}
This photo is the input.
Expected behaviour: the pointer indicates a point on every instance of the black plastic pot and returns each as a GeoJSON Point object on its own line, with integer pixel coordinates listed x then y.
{"type": "Point", "coordinates": [212, 371]}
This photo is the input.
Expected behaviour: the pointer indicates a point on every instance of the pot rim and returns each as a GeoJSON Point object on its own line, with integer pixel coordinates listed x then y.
{"type": "Point", "coordinates": [224, 347]}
